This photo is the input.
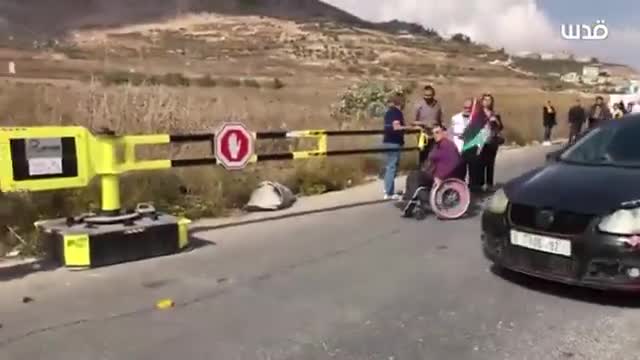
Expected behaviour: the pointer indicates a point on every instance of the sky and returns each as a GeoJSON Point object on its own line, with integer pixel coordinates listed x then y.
{"type": "Point", "coordinates": [519, 25]}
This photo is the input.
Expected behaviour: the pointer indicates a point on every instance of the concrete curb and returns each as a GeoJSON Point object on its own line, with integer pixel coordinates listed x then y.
{"type": "Point", "coordinates": [279, 216]}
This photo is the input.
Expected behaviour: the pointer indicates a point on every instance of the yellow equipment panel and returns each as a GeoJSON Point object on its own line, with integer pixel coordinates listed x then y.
{"type": "Point", "coordinates": [64, 157]}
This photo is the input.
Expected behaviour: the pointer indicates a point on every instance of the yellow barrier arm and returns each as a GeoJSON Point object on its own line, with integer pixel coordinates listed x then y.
{"type": "Point", "coordinates": [53, 158]}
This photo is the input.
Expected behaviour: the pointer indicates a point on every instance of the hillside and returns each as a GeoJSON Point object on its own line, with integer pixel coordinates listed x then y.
{"type": "Point", "coordinates": [192, 36]}
{"type": "Point", "coordinates": [38, 17]}
{"type": "Point", "coordinates": [211, 44]}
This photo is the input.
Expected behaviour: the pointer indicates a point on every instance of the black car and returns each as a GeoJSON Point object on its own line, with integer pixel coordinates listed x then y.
{"type": "Point", "coordinates": [575, 220]}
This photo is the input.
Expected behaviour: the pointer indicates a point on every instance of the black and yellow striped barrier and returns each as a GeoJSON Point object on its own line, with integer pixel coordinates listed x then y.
{"type": "Point", "coordinates": [321, 149]}
{"type": "Point", "coordinates": [55, 158]}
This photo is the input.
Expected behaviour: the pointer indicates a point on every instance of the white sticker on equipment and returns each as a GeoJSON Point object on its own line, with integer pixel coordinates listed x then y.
{"type": "Point", "coordinates": [44, 156]}
{"type": "Point", "coordinates": [45, 166]}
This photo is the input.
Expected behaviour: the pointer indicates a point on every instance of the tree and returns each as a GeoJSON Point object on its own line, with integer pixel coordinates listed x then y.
{"type": "Point", "coordinates": [461, 38]}
{"type": "Point", "coordinates": [368, 98]}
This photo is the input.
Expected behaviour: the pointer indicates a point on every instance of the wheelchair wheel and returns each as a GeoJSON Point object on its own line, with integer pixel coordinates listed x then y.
{"type": "Point", "coordinates": [451, 199]}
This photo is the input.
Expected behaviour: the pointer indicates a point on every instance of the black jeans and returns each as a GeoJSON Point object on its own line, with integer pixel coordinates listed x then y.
{"type": "Point", "coordinates": [574, 131]}
{"type": "Point", "coordinates": [488, 163]}
{"type": "Point", "coordinates": [473, 167]}
{"type": "Point", "coordinates": [547, 133]}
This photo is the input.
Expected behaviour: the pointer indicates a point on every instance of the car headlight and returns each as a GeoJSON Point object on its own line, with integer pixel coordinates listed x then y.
{"type": "Point", "coordinates": [621, 222]}
{"type": "Point", "coordinates": [498, 202]}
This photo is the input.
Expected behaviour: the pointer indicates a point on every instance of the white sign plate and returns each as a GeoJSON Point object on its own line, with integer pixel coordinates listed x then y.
{"type": "Point", "coordinates": [45, 166]}
{"type": "Point", "coordinates": [44, 156]}
{"type": "Point", "coordinates": [541, 243]}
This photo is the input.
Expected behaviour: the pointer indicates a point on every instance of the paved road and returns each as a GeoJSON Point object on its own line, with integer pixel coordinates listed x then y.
{"type": "Point", "coordinates": [358, 283]}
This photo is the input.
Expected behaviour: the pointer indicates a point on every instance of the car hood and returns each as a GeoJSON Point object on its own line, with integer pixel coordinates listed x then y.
{"type": "Point", "coordinates": [594, 190]}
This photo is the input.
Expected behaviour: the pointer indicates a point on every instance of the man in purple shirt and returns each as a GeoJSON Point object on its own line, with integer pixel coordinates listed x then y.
{"type": "Point", "coordinates": [444, 161]}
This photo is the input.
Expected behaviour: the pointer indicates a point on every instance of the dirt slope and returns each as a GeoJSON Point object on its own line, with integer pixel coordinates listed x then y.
{"type": "Point", "coordinates": [46, 17]}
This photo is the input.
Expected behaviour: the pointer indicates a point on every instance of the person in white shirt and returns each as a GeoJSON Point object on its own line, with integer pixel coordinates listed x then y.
{"type": "Point", "coordinates": [459, 122]}
{"type": "Point", "coordinates": [635, 109]}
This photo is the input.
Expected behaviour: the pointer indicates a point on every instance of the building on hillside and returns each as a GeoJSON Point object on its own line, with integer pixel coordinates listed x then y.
{"type": "Point", "coordinates": [528, 55]}
{"type": "Point", "coordinates": [590, 74]}
{"type": "Point", "coordinates": [571, 77]}
{"type": "Point", "coordinates": [547, 56]}
{"type": "Point", "coordinates": [618, 81]}
{"type": "Point", "coordinates": [563, 55]}
{"type": "Point", "coordinates": [585, 59]}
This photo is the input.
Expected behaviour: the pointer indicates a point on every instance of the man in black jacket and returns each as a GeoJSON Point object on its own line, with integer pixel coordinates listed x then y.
{"type": "Point", "coordinates": [577, 116]}
{"type": "Point", "coordinates": [598, 113]}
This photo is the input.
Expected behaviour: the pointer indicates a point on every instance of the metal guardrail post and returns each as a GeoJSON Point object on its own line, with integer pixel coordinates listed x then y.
{"type": "Point", "coordinates": [106, 167]}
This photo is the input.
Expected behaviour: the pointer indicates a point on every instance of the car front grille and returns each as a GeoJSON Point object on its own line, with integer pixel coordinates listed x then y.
{"type": "Point", "coordinates": [537, 261]}
{"type": "Point", "coordinates": [564, 222]}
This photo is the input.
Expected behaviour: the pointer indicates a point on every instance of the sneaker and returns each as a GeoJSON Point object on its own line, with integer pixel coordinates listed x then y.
{"type": "Point", "coordinates": [396, 197]}
{"type": "Point", "coordinates": [386, 197]}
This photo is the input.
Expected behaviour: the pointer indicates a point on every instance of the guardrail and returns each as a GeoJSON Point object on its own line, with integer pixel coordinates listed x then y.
{"type": "Point", "coordinates": [55, 158]}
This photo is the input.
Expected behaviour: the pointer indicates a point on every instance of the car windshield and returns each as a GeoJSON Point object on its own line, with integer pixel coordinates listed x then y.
{"type": "Point", "coordinates": [608, 146]}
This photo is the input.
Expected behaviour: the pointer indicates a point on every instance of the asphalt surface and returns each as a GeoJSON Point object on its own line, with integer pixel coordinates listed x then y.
{"type": "Point", "coordinates": [359, 283]}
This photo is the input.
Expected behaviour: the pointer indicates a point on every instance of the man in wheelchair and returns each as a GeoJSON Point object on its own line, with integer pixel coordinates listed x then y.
{"type": "Point", "coordinates": [439, 184]}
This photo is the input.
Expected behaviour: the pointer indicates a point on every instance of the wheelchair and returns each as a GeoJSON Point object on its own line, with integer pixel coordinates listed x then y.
{"type": "Point", "coordinates": [449, 200]}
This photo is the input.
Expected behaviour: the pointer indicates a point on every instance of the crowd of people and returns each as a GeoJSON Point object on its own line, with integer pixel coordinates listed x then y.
{"type": "Point", "coordinates": [592, 116]}
{"type": "Point", "coordinates": [447, 154]}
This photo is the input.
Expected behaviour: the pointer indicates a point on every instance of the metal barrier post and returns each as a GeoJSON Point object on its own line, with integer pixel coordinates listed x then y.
{"type": "Point", "coordinates": [106, 166]}
{"type": "Point", "coordinates": [109, 167]}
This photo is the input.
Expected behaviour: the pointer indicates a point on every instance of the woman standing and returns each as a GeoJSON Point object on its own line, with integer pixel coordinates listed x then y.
{"type": "Point", "coordinates": [490, 149]}
{"type": "Point", "coordinates": [548, 121]}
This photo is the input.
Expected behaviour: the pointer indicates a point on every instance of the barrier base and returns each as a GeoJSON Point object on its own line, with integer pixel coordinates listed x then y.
{"type": "Point", "coordinates": [81, 243]}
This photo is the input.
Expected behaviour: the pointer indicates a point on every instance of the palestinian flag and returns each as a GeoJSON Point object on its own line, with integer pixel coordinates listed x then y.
{"type": "Point", "coordinates": [475, 134]}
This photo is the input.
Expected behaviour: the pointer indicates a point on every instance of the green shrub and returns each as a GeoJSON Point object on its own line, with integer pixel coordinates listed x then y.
{"type": "Point", "coordinates": [206, 81]}
{"type": "Point", "coordinates": [277, 83]}
{"type": "Point", "coordinates": [251, 83]}
{"type": "Point", "coordinates": [229, 82]}
{"type": "Point", "coordinates": [123, 78]}
{"type": "Point", "coordinates": [175, 79]}
{"type": "Point", "coordinates": [368, 98]}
